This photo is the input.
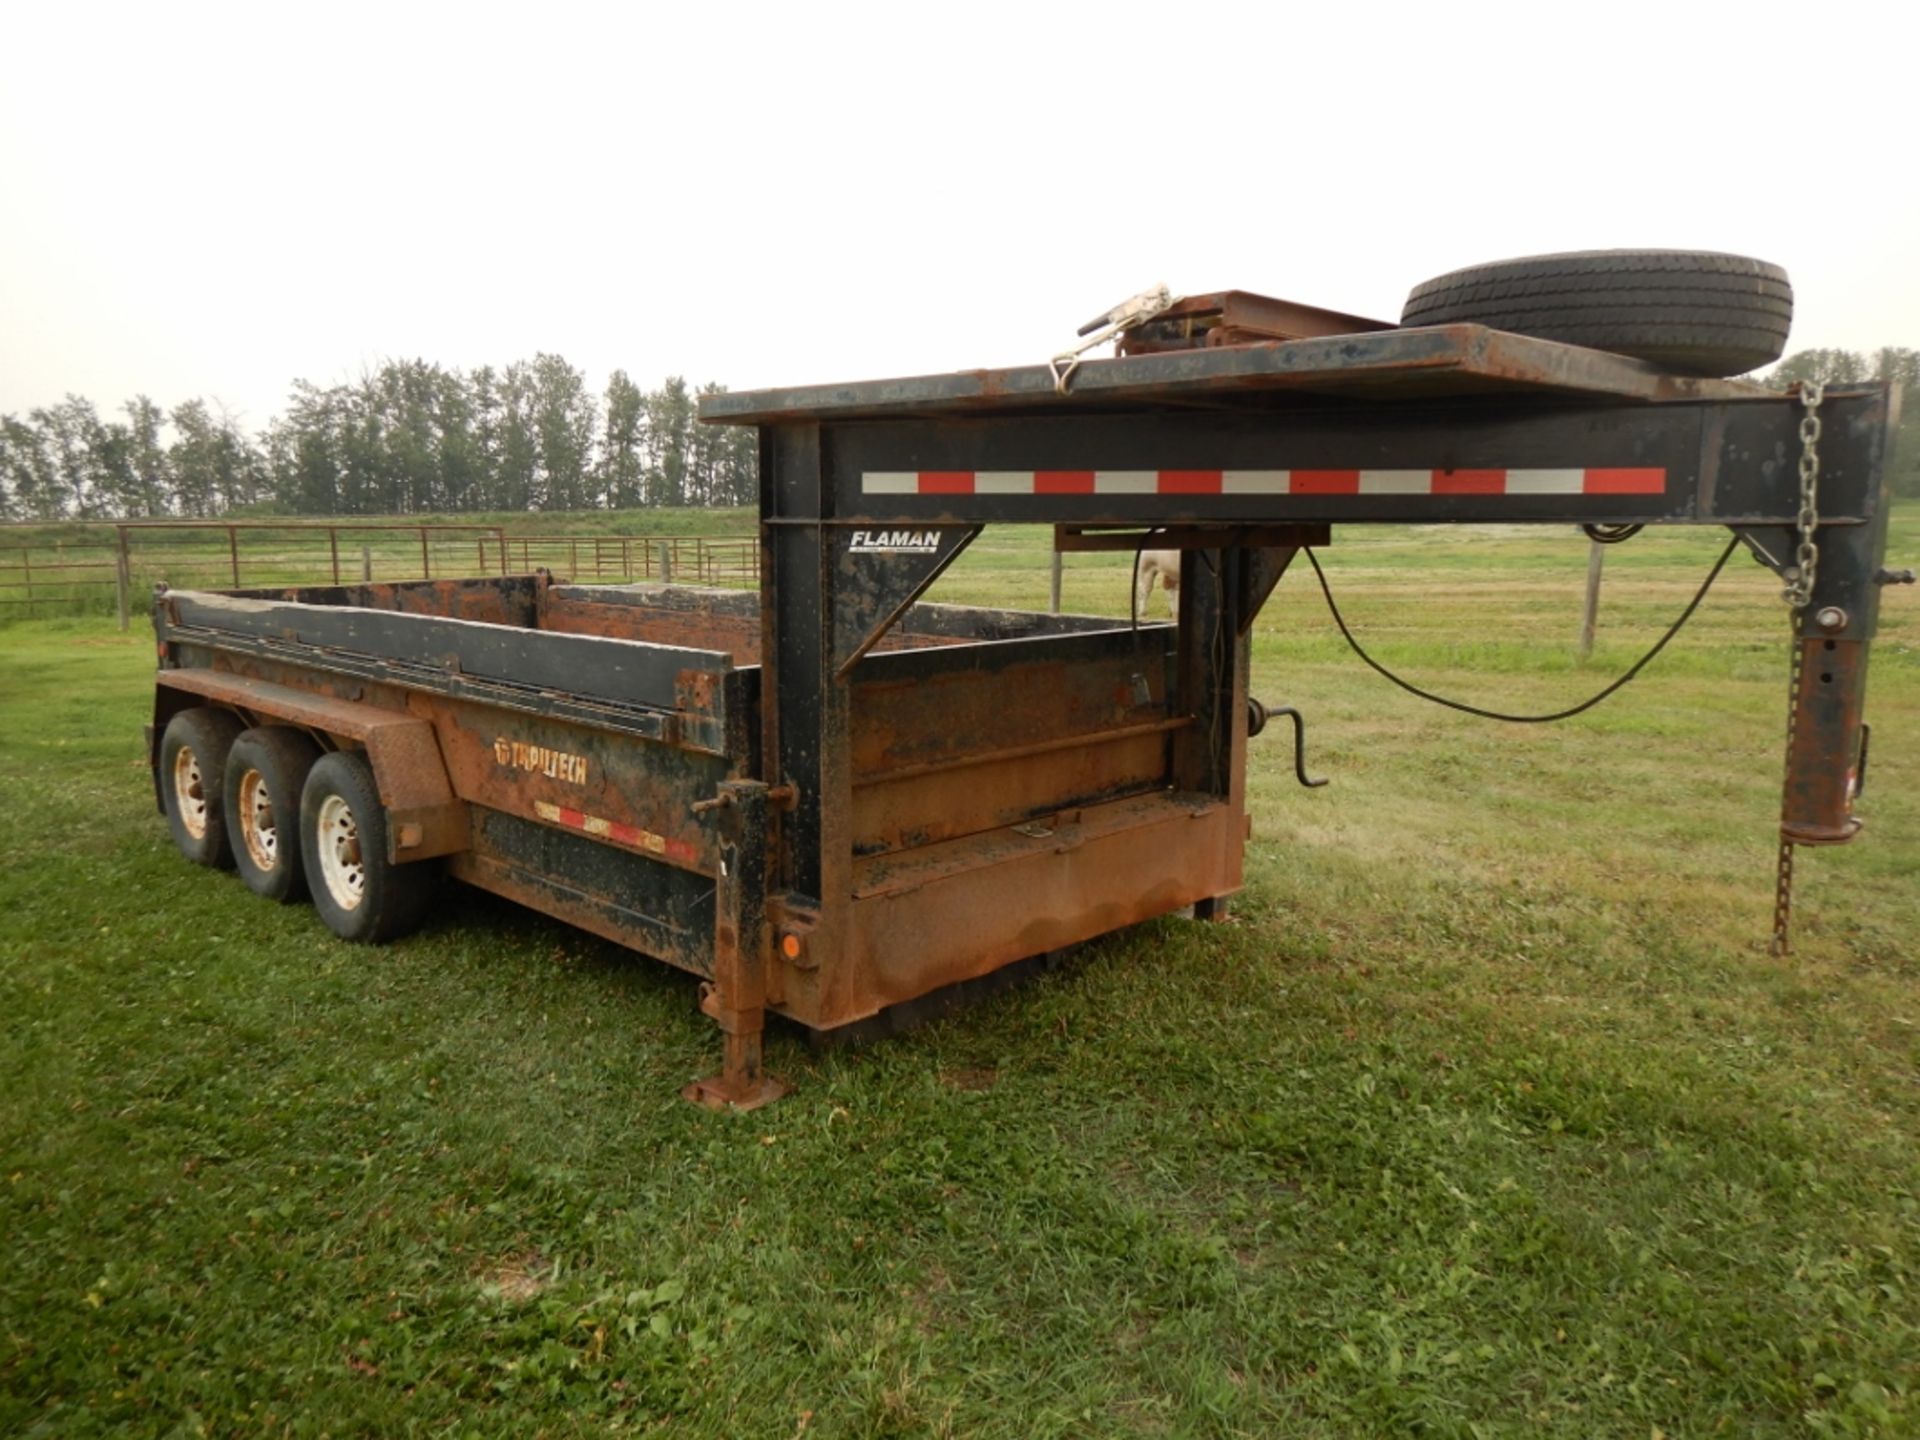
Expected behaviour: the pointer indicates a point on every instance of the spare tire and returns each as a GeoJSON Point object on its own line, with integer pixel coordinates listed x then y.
{"type": "Point", "coordinates": [1691, 312]}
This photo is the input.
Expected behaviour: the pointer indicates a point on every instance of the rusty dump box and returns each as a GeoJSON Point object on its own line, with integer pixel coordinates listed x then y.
{"type": "Point", "coordinates": [1011, 779]}
{"type": "Point", "coordinates": [833, 797]}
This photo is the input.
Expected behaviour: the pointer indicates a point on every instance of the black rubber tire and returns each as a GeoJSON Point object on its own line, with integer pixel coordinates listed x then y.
{"type": "Point", "coordinates": [1691, 312]}
{"type": "Point", "coordinates": [193, 764]}
{"type": "Point", "coordinates": [267, 855]}
{"type": "Point", "coordinates": [390, 899]}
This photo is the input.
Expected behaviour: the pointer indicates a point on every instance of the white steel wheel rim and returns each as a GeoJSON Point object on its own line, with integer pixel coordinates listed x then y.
{"type": "Point", "coordinates": [257, 827]}
{"type": "Point", "coordinates": [189, 795]}
{"type": "Point", "coordinates": [341, 867]}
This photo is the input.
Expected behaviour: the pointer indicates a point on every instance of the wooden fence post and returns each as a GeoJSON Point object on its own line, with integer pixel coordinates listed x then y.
{"type": "Point", "coordinates": [1596, 557]}
{"type": "Point", "coordinates": [122, 578]}
{"type": "Point", "coordinates": [366, 564]}
{"type": "Point", "coordinates": [1053, 587]}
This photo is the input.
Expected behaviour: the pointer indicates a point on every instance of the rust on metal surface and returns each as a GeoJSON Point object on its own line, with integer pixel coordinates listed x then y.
{"type": "Point", "coordinates": [983, 749]}
{"type": "Point", "coordinates": [541, 890]}
{"type": "Point", "coordinates": [427, 819]}
{"type": "Point", "coordinates": [951, 745]}
{"type": "Point", "coordinates": [1031, 750]}
{"type": "Point", "coordinates": [331, 714]}
{"type": "Point", "coordinates": [725, 620]}
{"type": "Point", "coordinates": [1440, 361]}
{"type": "Point", "coordinates": [598, 783]}
{"type": "Point", "coordinates": [1075, 538]}
{"type": "Point", "coordinates": [940, 706]}
{"type": "Point", "coordinates": [945, 913]}
{"type": "Point", "coordinates": [736, 999]}
{"type": "Point", "coordinates": [934, 803]}
{"type": "Point", "coordinates": [509, 600]}
{"type": "Point", "coordinates": [1239, 317]}
{"type": "Point", "coordinates": [1823, 762]}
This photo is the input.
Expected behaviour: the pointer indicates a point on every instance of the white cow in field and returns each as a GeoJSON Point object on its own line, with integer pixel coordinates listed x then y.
{"type": "Point", "coordinates": [1164, 566]}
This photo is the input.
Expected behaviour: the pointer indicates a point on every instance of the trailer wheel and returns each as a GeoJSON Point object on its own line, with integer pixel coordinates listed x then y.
{"type": "Point", "coordinates": [266, 769]}
{"type": "Point", "coordinates": [359, 893]}
{"type": "Point", "coordinates": [193, 762]}
{"type": "Point", "coordinates": [1691, 312]}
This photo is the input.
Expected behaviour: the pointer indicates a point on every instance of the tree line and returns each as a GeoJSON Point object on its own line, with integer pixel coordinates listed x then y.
{"type": "Point", "coordinates": [1850, 367]}
{"type": "Point", "coordinates": [409, 438]}
{"type": "Point", "coordinates": [413, 438]}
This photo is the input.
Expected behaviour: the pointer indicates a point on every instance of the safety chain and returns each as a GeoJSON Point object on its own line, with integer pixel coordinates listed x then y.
{"type": "Point", "coordinates": [1783, 864]}
{"type": "Point", "coordinates": [1782, 901]}
{"type": "Point", "coordinates": [1800, 579]}
{"type": "Point", "coordinates": [1798, 592]}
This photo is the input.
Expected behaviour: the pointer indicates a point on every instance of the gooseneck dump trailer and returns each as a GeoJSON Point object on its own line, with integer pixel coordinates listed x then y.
{"type": "Point", "coordinates": [833, 797]}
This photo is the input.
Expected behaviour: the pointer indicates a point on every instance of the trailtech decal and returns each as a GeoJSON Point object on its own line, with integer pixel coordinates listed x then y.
{"type": "Point", "coordinates": [539, 760]}
{"type": "Point", "coordinates": [894, 542]}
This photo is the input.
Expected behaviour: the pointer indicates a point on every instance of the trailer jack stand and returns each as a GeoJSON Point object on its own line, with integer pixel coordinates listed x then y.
{"type": "Point", "coordinates": [736, 996]}
{"type": "Point", "coordinates": [742, 1083]}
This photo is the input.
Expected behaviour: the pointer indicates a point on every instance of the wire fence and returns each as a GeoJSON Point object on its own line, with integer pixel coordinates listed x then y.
{"type": "Point", "coordinates": [94, 574]}
{"type": "Point", "coordinates": [605, 559]}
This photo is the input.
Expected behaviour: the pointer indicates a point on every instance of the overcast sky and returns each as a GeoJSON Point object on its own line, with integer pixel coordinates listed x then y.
{"type": "Point", "coordinates": [212, 201]}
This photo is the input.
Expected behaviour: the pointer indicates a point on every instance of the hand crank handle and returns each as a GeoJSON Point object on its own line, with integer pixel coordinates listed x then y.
{"type": "Point", "coordinates": [1257, 716]}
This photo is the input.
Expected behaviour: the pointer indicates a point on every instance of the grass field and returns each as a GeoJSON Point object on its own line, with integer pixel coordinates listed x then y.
{"type": "Point", "coordinates": [1489, 1114]}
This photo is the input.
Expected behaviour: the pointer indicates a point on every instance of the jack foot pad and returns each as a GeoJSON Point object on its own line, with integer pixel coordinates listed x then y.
{"type": "Point", "coordinates": [717, 1093]}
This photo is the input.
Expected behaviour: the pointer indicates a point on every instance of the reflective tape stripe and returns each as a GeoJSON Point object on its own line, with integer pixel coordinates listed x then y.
{"type": "Point", "coordinates": [1627, 480]}
{"type": "Point", "coordinates": [631, 836]}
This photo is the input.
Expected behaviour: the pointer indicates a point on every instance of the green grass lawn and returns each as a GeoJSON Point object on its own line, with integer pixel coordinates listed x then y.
{"type": "Point", "coordinates": [1488, 1115]}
